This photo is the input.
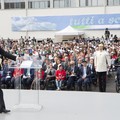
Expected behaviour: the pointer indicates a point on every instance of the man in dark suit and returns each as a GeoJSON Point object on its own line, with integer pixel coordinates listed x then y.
{"type": "Point", "coordinates": [85, 74]}
{"type": "Point", "coordinates": [107, 33]}
{"type": "Point", "coordinates": [93, 72]}
{"type": "Point", "coordinates": [73, 71]}
{"type": "Point", "coordinates": [2, 103]}
{"type": "Point", "coordinates": [7, 74]}
{"type": "Point", "coordinates": [28, 77]}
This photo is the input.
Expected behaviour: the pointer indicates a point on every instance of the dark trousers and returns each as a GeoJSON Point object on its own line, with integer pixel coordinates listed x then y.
{"type": "Point", "coordinates": [2, 104]}
{"type": "Point", "coordinates": [27, 83]}
{"type": "Point", "coordinates": [71, 82]}
{"type": "Point", "coordinates": [82, 82]}
{"type": "Point", "coordinates": [102, 81]}
{"type": "Point", "coordinates": [6, 81]}
{"type": "Point", "coordinates": [15, 82]}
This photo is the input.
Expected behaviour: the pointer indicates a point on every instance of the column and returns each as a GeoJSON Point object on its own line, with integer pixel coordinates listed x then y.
{"type": "Point", "coordinates": [77, 3]}
{"type": "Point", "coordinates": [51, 3]}
{"type": "Point", "coordinates": [105, 5]}
{"type": "Point", "coordinates": [26, 7]}
{"type": "Point", "coordinates": [26, 14]}
{"type": "Point", "coordinates": [2, 4]}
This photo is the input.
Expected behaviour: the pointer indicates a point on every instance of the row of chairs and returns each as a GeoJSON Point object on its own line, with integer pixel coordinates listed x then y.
{"type": "Point", "coordinates": [51, 84]}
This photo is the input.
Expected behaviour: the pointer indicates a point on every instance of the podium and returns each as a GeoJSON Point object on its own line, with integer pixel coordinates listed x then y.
{"type": "Point", "coordinates": [24, 105]}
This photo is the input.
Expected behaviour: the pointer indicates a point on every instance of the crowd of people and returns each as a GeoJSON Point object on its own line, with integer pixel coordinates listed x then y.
{"type": "Point", "coordinates": [60, 66]}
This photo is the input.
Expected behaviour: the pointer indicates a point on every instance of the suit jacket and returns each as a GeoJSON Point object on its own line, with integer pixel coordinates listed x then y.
{"type": "Point", "coordinates": [52, 71]}
{"type": "Point", "coordinates": [10, 56]}
{"type": "Point", "coordinates": [44, 66]}
{"type": "Point", "coordinates": [55, 66]}
{"type": "Point", "coordinates": [76, 70]}
{"type": "Point", "coordinates": [7, 55]}
{"type": "Point", "coordinates": [88, 72]}
{"type": "Point", "coordinates": [6, 69]}
{"type": "Point", "coordinates": [93, 71]}
{"type": "Point", "coordinates": [65, 65]}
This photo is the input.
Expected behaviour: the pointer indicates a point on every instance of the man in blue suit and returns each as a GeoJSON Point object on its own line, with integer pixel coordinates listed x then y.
{"type": "Point", "coordinates": [85, 74]}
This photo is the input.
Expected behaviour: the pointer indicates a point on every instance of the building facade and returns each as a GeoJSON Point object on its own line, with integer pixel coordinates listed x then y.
{"type": "Point", "coordinates": [27, 8]}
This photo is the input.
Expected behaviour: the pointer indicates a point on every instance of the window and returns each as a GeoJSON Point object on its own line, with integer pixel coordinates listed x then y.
{"type": "Point", "coordinates": [89, 2]}
{"type": "Point", "coordinates": [116, 2]}
{"type": "Point", "coordinates": [14, 4]}
{"type": "Point", "coordinates": [94, 2]}
{"type": "Point", "coordinates": [84, 3]}
{"type": "Point", "coordinates": [57, 3]}
{"type": "Point", "coordinates": [38, 4]}
{"type": "Point", "coordinates": [64, 3]}
{"type": "Point", "coordinates": [113, 2]}
{"type": "Point", "coordinates": [110, 2]}
{"type": "Point", "coordinates": [100, 2]}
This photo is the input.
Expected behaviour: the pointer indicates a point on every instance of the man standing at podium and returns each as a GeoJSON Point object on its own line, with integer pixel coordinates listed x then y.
{"type": "Point", "coordinates": [2, 104]}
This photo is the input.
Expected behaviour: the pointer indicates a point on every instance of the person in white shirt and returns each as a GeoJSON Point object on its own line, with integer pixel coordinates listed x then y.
{"type": "Point", "coordinates": [102, 64]}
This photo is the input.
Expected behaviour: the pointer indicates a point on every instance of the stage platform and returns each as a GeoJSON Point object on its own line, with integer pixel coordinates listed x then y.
{"type": "Point", "coordinates": [62, 105]}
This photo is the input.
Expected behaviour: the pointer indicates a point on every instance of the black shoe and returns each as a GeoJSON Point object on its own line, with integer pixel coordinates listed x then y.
{"type": "Point", "coordinates": [5, 111]}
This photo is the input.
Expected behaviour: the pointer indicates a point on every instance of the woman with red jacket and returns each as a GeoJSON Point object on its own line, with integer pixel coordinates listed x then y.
{"type": "Point", "coordinates": [16, 79]}
{"type": "Point", "coordinates": [39, 79]}
{"type": "Point", "coordinates": [60, 76]}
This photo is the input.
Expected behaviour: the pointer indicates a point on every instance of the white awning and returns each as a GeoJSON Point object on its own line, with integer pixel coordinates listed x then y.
{"type": "Point", "coordinates": [69, 31]}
